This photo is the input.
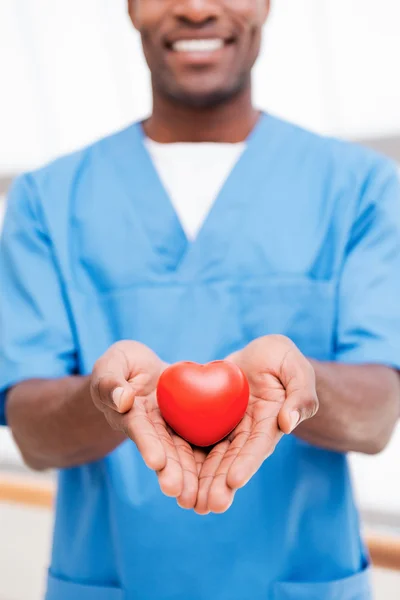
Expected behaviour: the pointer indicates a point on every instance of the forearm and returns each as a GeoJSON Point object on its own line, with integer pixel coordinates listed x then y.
{"type": "Point", "coordinates": [56, 425]}
{"type": "Point", "coordinates": [359, 408]}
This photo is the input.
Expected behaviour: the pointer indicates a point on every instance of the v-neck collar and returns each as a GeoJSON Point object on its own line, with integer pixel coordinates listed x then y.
{"type": "Point", "coordinates": [163, 229]}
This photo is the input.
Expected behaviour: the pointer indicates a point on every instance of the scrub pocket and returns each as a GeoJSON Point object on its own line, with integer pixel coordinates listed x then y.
{"type": "Point", "coordinates": [59, 589]}
{"type": "Point", "coordinates": [356, 587]}
{"type": "Point", "coordinates": [300, 308]}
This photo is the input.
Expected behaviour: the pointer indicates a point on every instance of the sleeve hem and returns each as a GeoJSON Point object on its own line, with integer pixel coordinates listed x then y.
{"type": "Point", "coordinates": [377, 355]}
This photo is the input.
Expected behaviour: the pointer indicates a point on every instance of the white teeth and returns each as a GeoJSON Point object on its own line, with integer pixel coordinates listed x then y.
{"type": "Point", "coordinates": [198, 45]}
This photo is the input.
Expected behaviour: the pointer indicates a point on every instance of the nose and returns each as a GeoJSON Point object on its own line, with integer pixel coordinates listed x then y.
{"type": "Point", "coordinates": [197, 12]}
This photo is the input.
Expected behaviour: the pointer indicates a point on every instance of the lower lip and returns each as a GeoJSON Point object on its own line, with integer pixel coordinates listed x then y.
{"type": "Point", "coordinates": [199, 58]}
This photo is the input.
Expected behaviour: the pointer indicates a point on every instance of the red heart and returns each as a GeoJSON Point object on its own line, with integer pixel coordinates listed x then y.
{"type": "Point", "coordinates": [203, 403]}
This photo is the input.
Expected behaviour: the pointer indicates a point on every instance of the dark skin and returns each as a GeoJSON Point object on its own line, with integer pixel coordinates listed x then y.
{"type": "Point", "coordinates": [203, 96]}
{"type": "Point", "coordinates": [207, 98]}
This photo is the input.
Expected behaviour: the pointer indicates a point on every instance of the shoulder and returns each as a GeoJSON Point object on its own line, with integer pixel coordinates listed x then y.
{"type": "Point", "coordinates": [335, 157]}
{"type": "Point", "coordinates": [44, 195]}
{"type": "Point", "coordinates": [59, 177]}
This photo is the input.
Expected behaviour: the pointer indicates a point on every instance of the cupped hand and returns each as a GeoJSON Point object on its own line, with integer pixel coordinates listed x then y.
{"type": "Point", "coordinates": [282, 395]}
{"type": "Point", "coordinates": [123, 387]}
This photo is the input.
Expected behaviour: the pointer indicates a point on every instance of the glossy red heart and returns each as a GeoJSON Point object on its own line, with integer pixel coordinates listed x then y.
{"type": "Point", "coordinates": [203, 403]}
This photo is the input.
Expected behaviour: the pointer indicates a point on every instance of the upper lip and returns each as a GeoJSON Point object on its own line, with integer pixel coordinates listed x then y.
{"type": "Point", "coordinates": [198, 35]}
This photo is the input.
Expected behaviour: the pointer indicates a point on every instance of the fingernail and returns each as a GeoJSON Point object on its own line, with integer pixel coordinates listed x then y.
{"type": "Point", "coordinates": [294, 419]}
{"type": "Point", "coordinates": [117, 396]}
{"type": "Point", "coordinates": [181, 505]}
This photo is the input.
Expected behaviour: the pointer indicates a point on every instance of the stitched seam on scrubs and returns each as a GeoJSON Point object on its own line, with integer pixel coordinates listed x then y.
{"type": "Point", "coordinates": [237, 282]}
{"type": "Point", "coordinates": [40, 217]}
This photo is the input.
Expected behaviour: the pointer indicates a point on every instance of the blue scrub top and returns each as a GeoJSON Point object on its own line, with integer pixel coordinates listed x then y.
{"type": "Point", "coordinates": [304, 240]}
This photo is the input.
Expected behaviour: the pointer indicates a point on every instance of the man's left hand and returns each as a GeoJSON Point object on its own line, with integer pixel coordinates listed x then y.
{"type": "Point", "coordinates": [282, 395]}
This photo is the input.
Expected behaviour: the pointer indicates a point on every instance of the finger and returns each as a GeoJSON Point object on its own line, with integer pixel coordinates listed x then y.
{"type": "Point", "coordinates": [259, 446]}
{"type": "Point", "coordinates": [170, 477]}
{"type": "Point", "coordinates": [143, 433]}
{"type": "Point", "coordinates": [301, 397]}
{"type": "Point", "coordinates": [221, 494]}
{"type": "Point", "coordinates": [123, 398]}
{"type": "Point", "coordinates": [190, 485]}
{"type": "Point", "coordinates": [207, 474]}
{"type": "Point", "coordinates": [200, 456]}
{"type": "Point", "coordinates": [299, 407]}
{"type": "Point", "coordinates": [109, 386]}
{"type": "Point", "coordinates": [126, 370]}
{"type": "Point", "coordinates": [144, 366]}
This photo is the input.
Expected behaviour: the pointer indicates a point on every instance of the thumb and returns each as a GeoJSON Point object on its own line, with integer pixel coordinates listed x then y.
{"type": "Point", "coordinates": [123, 397]}
{"type": "Point", "coordinates": [298, 407]}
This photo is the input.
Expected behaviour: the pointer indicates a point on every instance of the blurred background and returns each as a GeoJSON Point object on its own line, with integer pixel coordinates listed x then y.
{"type": "Point", "coordinates": [71, 72]}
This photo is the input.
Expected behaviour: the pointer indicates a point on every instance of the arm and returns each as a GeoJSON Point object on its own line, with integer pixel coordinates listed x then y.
{"type": "Point", "coordinates": [56, 424]}
{"type": "Point", "coordinates": [359, 406]}
{"type": "Point", "coordinates": [50, 412]}
{"type": "Point", "coordinates": [359, 394]}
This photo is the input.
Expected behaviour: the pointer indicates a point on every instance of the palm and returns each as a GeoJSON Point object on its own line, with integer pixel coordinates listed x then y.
{"type": "Point", "coordinates": [282, 389]}
{"type": "Point", "coordinates": [260, 421]}
{"type": "Point", "coordinates": [232, 462]}
{"type": "Point", "coordinates": [178, 475]}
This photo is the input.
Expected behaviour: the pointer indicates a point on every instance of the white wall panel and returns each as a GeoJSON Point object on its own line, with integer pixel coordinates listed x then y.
{"type": "Point", "coordinates": [377, 478]}
{"type": "Point", "coordinates": [22, 131]}
{"type": "Point", "coordinates": [291, 78]}
{"type": "Point", "coordinates": [73, 71]}
{"type": "Point", "coordinates": [363, 37]}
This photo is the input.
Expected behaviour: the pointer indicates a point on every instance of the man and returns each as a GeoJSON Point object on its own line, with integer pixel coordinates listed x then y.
{"type": "Point", "coordinates": [209, 231]}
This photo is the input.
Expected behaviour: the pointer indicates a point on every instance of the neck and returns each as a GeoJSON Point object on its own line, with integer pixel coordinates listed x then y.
{"type": "Point", "coordinates": [229, 122]}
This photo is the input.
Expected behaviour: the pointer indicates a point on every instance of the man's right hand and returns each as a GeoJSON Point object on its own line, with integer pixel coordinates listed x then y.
{"type": "Point", "coordinates": [123, 387]}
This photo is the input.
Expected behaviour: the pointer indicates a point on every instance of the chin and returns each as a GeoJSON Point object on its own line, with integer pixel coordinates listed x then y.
{"type": "Point", "coordinates": [202, 98]}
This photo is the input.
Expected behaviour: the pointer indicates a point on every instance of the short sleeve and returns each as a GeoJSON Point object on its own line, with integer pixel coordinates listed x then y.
{"type": "Point", "coordinates": [368, 324]}
{"type": "Point", "coordinates": [35, 334]}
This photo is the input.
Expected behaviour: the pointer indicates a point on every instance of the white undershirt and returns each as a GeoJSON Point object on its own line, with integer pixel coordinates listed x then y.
{"type": "Point", "coordinates": [193, 174]}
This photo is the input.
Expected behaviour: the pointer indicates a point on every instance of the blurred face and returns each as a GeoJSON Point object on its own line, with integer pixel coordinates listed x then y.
{"type": "Point", "coordinates": [200, 52]}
